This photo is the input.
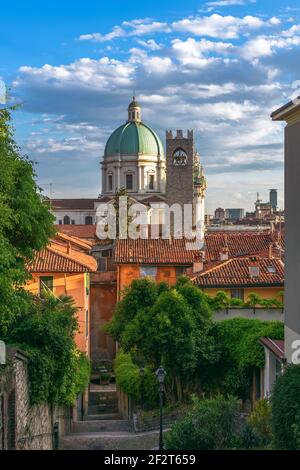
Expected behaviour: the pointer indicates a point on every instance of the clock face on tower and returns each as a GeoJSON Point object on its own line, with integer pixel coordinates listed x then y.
{"type": "Point", "coordinates": [179, 158]}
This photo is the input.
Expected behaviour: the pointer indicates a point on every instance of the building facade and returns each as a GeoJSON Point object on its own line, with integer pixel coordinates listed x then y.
{"type": "Point", "coordinates": [135, 159]}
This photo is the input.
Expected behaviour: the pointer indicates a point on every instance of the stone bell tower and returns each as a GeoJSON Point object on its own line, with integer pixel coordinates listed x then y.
{"type": "Point", "coordinates": [185, 179]}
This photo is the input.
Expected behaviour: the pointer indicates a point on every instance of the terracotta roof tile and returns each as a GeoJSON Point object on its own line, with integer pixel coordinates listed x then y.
{"type": "Point", "coordinates": [73, 204]}
{"type": "Point", "coordinates": [55, 258]}
{"type": "Point", "coordinates": [154, 251]}
{"type": "Point", "coordinates": [238, 243]}
{"type": "Point", "coordinates": [87, 232]}
{"type": "Point", "coordinates": [235, 273]}
{"type": "Point", "coordinates": [77, 243]}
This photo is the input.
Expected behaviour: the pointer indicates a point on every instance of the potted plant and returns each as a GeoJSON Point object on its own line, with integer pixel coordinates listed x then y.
{"type": "Point", "coordinates": [104, 378]}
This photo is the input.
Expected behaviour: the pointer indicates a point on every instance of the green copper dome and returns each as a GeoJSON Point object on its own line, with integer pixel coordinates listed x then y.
{"type": "Point", "coordinates": [134, 138]}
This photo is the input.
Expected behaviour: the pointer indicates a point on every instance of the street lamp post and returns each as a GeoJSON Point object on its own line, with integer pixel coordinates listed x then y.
{"type": "Point", "coordinates": [161, 374]}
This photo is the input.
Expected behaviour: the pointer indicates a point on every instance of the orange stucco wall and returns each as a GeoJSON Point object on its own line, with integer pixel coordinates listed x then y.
{"type": "Point", "coordinates": [76, 286]}
{"type": "Point", "coordinates": [103, 301]}
{"type": "Point", "coordinates": [128, 272]}
{"type": "Point", "coordinates": [264, 292]}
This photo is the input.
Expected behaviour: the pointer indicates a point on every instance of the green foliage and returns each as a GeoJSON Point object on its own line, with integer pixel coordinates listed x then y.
{"type": "Point", "coordinates": [212, 424]}
{"type": "Point", "coordinates": [168, 326]}
{"type": "Point", "coordinates": [57, 370]}
{"type": "Point", "coordinates": [140, 295]}
{"type": "Point", "coordinates": [286, 409]}
{"type": "Point", "coordinates": [140, 387]}
{"type": "Point", "coordinates": [260, 421]}
{"type": "Point", "coordinates": [223, 301]}
{"type": "Point", "coordinates": [240, 352]}
{"type": "Point", "coordinates": [220, 301]}
{"type": "Point", "coordinates": [25, 222]}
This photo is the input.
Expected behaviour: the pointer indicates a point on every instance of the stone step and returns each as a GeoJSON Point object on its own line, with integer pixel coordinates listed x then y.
{"type": "Point", "coordinates": [98, 409]}
{"type": "Point", "coordinates": [104, 425]}
{"type": "Point", "coordinates": [101, 416]}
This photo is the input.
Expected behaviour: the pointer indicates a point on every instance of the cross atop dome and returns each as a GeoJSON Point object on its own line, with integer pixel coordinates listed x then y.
{"type": "Point", "coordinates": [134, 111]}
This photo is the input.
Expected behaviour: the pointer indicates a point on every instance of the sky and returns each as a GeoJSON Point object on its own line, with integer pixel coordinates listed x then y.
{"type": "Point", "coordinates": [218, 67]}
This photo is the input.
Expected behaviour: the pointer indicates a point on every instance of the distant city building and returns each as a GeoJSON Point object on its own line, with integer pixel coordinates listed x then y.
{"type": "Point", "coordinates": [234, 214]}
{"type": "Point", "coordinates": [220, 214]}
{"type": "Point", "coordinates": [273, 199]}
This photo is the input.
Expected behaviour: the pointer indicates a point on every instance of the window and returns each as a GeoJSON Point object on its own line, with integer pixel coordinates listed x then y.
{"type": "Point", "coordinates": [46, 285]}
{"type": "Point", "coordinates": [129, 181]}
{"type": "Point", "coordinates": [237, 294]}
{"type": "Point", "coordinates": [149, 271]}
{"type": "Point", "coordinates": [151, 182]}
{"type": "Point", "coordinates": [73, 222]}
{"type": "Point", "coordinates": [102, 264]}
{"type": "Point", "coordinates": [60, 222]}
{"type": "Point", "coordinates": [67, 220]}
{"type": "Point", "coordinates": [180, 271]}
{"type": "Point", "coordinates": [110, 183]}
{"type": "Point", "coordinates": [89, 220]}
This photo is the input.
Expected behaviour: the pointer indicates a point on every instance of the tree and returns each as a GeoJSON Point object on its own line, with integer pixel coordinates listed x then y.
{"type": "Point", "coordinates": [168, 326]}
{"type": "Point", "coordinates": [25, 222]}
{"type": "Point", "coordinates": [286, 409]}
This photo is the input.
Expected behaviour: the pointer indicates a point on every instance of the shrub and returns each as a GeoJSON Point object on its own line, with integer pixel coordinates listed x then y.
{"type": "Point", "coordinates": [142, 389]}
{"type": "Point", "coordinates": [241, 352]}
{"type": "Point", "coordinates": [57, 370]}
{"type": "Point", "coordinates": [286, 409]}
{"type": "Point", "coordinates": [212, 424]}
{"type": "Point", "coordinates": [260, 421]}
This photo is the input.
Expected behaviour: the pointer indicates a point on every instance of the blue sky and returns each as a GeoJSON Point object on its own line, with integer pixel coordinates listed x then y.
{"type": "Point", "coordinates": [219, 67]}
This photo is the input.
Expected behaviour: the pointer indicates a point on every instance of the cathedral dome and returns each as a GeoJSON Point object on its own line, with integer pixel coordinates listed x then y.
{"type": "Point", "coordinates": [133, 138]}
{"type": "Point", "coordinates": [134, 158]}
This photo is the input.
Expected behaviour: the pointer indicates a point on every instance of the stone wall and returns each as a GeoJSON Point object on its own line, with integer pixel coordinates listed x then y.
{"type": "Point", "coordinates": [25, 426]}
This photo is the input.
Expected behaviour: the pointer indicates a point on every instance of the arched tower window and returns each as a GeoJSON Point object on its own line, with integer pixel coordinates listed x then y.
{"type": "Point", "coordinates": [89, 220]}
{"type": "Point", "coordinates": [67, 220]}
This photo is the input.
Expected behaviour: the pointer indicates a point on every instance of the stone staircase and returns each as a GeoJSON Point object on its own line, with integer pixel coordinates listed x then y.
{"type": "Point", "coordinates": [103, 426]}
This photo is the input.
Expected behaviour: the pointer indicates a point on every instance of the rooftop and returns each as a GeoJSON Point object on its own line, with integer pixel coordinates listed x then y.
{"type": "Point", "coordinates": [154, 251]}
{"type": "Point", "coordinates": [73, 204]}
{"type": "Point", "coordinates": [63, 255]}
{"type": "Point", "coordinates": [276, 346]}
{"type": "Point", "coordinates": [235, 272]}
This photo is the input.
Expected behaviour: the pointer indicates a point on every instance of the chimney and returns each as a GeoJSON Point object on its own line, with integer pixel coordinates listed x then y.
{"type": "Point", "coordinates": [224, 254]}
{"type": "Point", "coordinates": [270, 250]}
{"type": "Point", "coordinates": [198, 264]}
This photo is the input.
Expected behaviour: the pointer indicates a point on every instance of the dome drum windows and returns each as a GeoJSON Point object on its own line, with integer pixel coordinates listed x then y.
{"type": "Point", "coordinates": [151, 180]}
{"type": "Point", "coordinates": [110, 182]}
{"type": "Point", "coordinates": [129, 181]}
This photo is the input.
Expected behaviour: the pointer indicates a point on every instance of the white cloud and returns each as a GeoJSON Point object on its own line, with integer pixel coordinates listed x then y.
{"type": "Point", "coordinates": [99, 74]}
{"type": "Point", "coordinates": [263, 46]}
{"type": "Point", "coordinates": [226, 3]}
{"type": "Point", "coordinates": [128, 28]}
{"type": "Point", "coordinates": [150, 44]}
{"type": "Point", "coordinates": [195, 52]}
{"type": "Point", "coordinates": [218, 26]}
